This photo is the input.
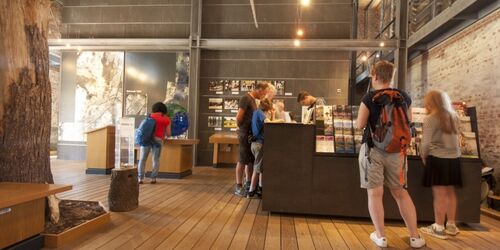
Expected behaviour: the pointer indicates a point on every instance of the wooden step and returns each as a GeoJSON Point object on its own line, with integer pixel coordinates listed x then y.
{"type": "Point", "coordinates": [490, 212]}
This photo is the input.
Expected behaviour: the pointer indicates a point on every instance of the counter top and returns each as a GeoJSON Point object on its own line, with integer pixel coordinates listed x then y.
{"type": "Point", "coordinates": [13, 193]}
{"type": "Point", "coordinates": [97, 129]}
{"type": "Point", "coordinates": [409, 157]}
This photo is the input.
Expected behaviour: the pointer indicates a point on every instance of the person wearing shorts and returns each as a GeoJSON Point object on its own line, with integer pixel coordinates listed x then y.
{"type": "Point", "coordinates": [387, 169]}
{"type": "Point", "coordinates": [246, 108]}
{"type": "Point", "coordinates": [258, 119]}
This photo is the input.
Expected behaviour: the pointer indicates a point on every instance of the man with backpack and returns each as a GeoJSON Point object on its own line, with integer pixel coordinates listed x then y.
{"type": "Point", "coordinates": [149, 136]}
{"type": "Point", "coordinates": [386, 116]}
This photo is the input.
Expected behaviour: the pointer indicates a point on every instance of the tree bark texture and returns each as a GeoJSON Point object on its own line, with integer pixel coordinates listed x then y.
{"type": "Point", "coordinates": [123, 193]}
{"type": "Point", "coordinates": [25, 93]}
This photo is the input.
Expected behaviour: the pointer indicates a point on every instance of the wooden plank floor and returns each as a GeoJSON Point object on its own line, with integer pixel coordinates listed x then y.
{"type": "Point", "coordinates": [201, 212]}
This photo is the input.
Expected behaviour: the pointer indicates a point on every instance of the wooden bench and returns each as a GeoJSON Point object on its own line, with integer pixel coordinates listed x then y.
{"type": "Point", "coordinates": [22, 210]}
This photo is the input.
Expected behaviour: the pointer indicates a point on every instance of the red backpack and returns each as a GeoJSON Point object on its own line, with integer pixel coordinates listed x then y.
{"type": "Point", "coordinates": [392, 130]}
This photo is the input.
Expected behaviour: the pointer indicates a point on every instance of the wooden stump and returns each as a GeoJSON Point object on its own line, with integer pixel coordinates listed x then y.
{"type": "Point", "coordinates": [124, 190]}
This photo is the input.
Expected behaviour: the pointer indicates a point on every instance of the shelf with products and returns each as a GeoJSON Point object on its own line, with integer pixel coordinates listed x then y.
{"type": "Point", "coordinates": [336, 130]}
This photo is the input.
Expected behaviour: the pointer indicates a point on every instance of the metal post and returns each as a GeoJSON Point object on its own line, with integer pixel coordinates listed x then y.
{"type": "Point", "coordinates": [401, 54]}
{"type": "Point", "coordinates": [194, 71]}
{"type": "Point", "coordinates": [354, 35]}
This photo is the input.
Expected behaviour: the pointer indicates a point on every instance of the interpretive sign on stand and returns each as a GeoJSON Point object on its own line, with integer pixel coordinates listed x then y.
{"type": "Point", "coordinates": [124, 150]}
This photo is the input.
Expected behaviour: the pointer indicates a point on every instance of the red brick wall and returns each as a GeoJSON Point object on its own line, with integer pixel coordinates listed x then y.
{"type": "Point", "coordinates": [467, 66]}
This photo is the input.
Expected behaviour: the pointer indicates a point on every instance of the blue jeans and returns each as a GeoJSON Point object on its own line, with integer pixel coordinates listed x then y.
{"type": "Point", "coordinates": [144, 157]}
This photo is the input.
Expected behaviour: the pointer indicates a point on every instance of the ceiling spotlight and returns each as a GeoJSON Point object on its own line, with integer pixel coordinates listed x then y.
{"type": "Point", "coordinates": [305, 2]}
{"type": "Point", "coordinates": [364, 58]}
{"type": "Point", "coordinates": [79, 48]}
{"type": "Point", "coordinates": [300, 32]}
{"type": "Point", "coordinates": [296, 42]}
{"type": "Point", "coordinates": [377, 55]}
{"type": "Point", "coordinates": [68, 45]}
{"type": "Point", "coordinates": [382, 44]}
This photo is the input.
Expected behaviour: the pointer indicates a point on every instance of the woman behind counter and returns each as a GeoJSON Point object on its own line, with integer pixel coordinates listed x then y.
{"type": "Point", "coordinates": [440, 152]}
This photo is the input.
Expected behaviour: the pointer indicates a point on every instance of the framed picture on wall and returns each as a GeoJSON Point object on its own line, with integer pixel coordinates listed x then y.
{"type": "Point", "coordinates": [280, 87]}
{"type": "Point", "coordinates": [233, 86]}
{"type": "Point", "coordinates": [215, 86]}
{"type": "Point", "coordinates": [231, 103]}
{"type": "Point", "coordinates": [247, 85]}
{"type": "Point", "coordinates": [136, 102]}
{"type": "Point", "coordinates": [215, 103]}
{"type": "Point", "coordinates": [230, 122]}
{"type": "Point", "coordinates": [215, 121]}
{"type": "Point", "coordinates": [226, 84]}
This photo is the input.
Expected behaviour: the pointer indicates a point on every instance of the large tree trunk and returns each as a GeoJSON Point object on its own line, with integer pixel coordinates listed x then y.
{"type": "Point", "coordinates": [25, 101]}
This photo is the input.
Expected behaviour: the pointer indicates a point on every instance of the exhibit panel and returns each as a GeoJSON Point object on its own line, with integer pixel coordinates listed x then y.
{"type": "Point", "coordinates": [298, 180]}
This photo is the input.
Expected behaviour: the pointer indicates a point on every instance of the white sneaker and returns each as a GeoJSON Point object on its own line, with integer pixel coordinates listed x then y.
{"type": "Point", "coordinates": [433, 231]}
{"type": "Point", "coordinates": [380, 242]}
{"type": "Point", "coordinates": [417, 242]}
{"type": "Point", "coordinates": [452, 229]}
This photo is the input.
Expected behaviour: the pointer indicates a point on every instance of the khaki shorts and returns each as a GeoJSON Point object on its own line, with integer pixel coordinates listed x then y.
{"type": "Point", "coordinates": [258, 150]}
{"type": "Point", "coordinates": [384, 168]}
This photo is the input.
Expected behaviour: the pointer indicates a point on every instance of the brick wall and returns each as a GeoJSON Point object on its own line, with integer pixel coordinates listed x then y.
{"type": "Point", "coordinates": [466, 66]}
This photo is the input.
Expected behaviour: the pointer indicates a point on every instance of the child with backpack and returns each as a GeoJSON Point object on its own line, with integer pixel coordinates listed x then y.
{"type": "Point", "coordinates": [149, 136]}
{"type": "Point", "coordinates": [440, 152]}
{"type": "Point", "coordinates": [385, 115]}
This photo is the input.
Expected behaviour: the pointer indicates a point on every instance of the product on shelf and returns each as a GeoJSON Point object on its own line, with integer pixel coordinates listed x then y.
{"type": "Point", "coordinates": [339, 144]}
{"type": "Point", "coordinates": [465, 124]}
{"type": "Point", "coordinates": [468, 144]}
{"type": "Point", "coordinates": [348, 144]}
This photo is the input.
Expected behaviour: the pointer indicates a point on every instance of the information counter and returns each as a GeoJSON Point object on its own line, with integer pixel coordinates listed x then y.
{"type": "Point", "coordinates": [299, 180]}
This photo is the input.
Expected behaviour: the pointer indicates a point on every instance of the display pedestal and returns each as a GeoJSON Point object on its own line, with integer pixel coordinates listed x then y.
{"type": "Point", "coordinates": [100, 150]}
{"type": "Point", "coordinates": [226, 149]}
{"type": "Point", "coordinates": [176, 158]}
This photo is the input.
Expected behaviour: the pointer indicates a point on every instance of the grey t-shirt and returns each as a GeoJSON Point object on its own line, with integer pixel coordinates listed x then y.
{"type": "Point", "coordinates": [247, 103]}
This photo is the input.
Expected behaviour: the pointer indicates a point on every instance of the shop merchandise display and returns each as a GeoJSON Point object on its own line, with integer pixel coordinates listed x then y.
{"type": "Point", "coordinates": [337, 124]}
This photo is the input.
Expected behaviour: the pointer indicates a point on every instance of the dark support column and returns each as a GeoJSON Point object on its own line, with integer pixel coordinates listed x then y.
{"type": "Point", "coordinates": [354, 35]}
{"type": "Point", "coordinates": [401, 54]}
{"type": "Point", "coordinates": [194, 70]}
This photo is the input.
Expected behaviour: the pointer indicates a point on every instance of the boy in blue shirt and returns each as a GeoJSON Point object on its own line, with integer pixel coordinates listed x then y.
{"type": "Point", "coordinates": [258, 119]}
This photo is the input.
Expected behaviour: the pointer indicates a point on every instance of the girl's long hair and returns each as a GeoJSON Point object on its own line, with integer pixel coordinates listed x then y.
{"type": "Point", "coordinates": [439, 104]}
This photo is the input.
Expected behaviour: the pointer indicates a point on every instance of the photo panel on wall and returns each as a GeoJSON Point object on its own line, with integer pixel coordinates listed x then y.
{"type": "Point", "coordinates": [231, 103]}
{"type": "Point", "coordinates": [280, 87]}
{"type": "Point", "coordinates": [215, 121]}
{"type": "Point", "coordinates": [136, 102]}
{"type": "Point", "coordinates": [215, 103]}
{"type": "Point", "coordinates": [232, 86]}
{"type": "Point", "coordinates": [215, 86]}
{"type": "Point", "coordinates": [247, 85]}
{"type": "Point", "coordinates": [230, 122]}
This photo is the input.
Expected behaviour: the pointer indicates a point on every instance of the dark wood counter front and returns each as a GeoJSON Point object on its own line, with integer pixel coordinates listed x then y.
{"type": "Point", "coordinates": [298, 180]}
